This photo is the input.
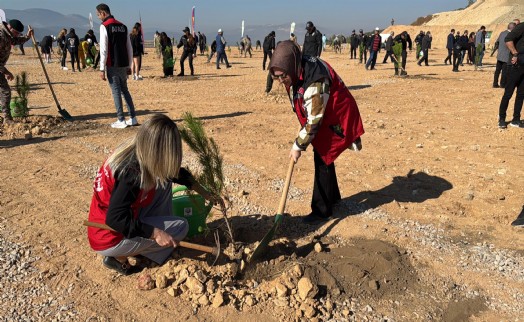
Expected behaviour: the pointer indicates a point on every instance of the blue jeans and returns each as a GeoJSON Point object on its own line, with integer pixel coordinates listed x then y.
{"type": "Point", "coordinates": [220, 56]}
{"type": "Point", "coordinates": [372, 59]}
{"type": "Point", "coordinates": [117, 77]}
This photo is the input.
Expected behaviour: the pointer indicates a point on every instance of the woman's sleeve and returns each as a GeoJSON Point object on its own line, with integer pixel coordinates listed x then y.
{"type": "Point", "coordinates": [185, 178]}
{"type": "Point", "coordinates": [119, 213]}
{"type": "Point", "coordinates": [316, 97]}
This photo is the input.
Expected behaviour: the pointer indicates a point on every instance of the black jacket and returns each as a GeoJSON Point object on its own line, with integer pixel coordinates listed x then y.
{"type": "Point", "coordinates": [353, 40]}
{"type": "Point", "coordinates": [189, 46]}
{"type": "Point", "coordinates": [269, 43]}
{"type": "Point", "coordinates": [451, 41]}
{"type": "Point", "coordinates": [312, 44]}
{"type": "Point", "coordinates": [72, 41]}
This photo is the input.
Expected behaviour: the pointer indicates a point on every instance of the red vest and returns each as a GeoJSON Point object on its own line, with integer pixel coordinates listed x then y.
{"type": "Point", "coordinates": [341, 114]}
{"type": "Point", "coordinates": [101, 239]}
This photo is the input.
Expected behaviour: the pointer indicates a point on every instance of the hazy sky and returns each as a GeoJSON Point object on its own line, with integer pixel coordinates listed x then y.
{"type": "Point", "coordinates": [332, 14]}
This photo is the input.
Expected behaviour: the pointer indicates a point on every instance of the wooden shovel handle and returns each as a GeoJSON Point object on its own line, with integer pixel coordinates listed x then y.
{"type": "Point", "coordinates": [206, 249]}
{"type": "Point", "coordinates": [283, 198]}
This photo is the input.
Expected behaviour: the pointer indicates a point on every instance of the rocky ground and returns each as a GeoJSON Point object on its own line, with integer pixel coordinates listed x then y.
{"type": "Point", "coordinates": [421, 234]}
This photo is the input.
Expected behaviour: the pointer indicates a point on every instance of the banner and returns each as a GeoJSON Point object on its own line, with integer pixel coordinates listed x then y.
{"type": "Point", "coordinates": [242, 29]}
{"type": "Point", "coordinates": [90, 21]}
{"type": "Point", "coordinates": [292, 29]}
{"type": "Point", "coordinates": [2, 15]}
{"type": "Point", "coordinates": [193, 21]}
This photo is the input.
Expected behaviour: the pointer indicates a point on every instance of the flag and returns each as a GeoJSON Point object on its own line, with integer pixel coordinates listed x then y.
{"type": "Point", "coordinates": [242, 29]}
{"type": "Point", "coordinates": [193, 21]}
{"type": "Point", "coordinates": [2, 15]}
{"type": "Point", "coordinates": [292, 29]}
{"type": "Point", "coordinates": [90, 21]}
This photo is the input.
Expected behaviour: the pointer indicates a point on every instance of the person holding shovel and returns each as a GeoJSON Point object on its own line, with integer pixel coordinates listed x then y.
{"type": "Point", "coordinates": [132, 195]}
{"type": "Point", "coordinates": [10, 35]}
{"type": "Point", "coordinates": [329, 118]}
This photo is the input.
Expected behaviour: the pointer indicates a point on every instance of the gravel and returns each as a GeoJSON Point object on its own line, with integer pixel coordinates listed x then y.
{"type": "Point", "coordinates": [25, 296]}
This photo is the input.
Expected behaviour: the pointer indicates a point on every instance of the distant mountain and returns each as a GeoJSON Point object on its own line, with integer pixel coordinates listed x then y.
{"type": "Point", "coordinates": [48, 22]}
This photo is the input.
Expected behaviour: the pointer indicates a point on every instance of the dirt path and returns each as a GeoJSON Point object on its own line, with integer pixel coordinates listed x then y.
{"type": "Point", "coordinates": [426, 210]}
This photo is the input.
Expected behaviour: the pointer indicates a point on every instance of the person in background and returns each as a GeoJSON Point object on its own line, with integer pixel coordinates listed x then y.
{"type": "Point", "coordinates": [480, 44]}
{"type": "Point", "coordinates": [329, 118]}
{"type": "Point", "coordinates": [389, 48]}
{"type": "Point", "coordinates": [363, 41]}
{"type": "Point", "coordinates": [138, 50]}
{"type": "Point", "coordinates": [156, 43]}
{"type": "Point", "coordinates": [92, 52]}
{"type": "Point", "coordinates": [202, 43]}
{"type": "Point", "coordinates": [61, 41]}
{"type": "Point", "coordinates": [515, 43]}
{"type": "Point", "coordinates": [72, 43]}
{"type": "Point", "coordinates": [221, 49]}
{"type": "Point", "coordinates": [116, 55]}
{"type": "Point", "coordinates": [503, 58]}
{"type": "Point", "coordinates": [471, 48]}
{"type": "Point", "coordinates": [46, 46]}
{"type": "Point", "coordinates": [132, 195]}
{"type": "Point", "coordinates": [187, 41]}
{"type": "Point", "coordinates": [247, 46]}
{"type": "Point", "coordinates": [10, 34]}
{"type": "Point", "coordinates": [424, 47]}
{"type": "Point", "coordinates": [405, 40]}
{"type": "Point", "coordinates": [374, 48]}
{"type": "Point", "coordinates": [450, 44]}
{"type": "Point", "coordinates": [268, 47]}
{"type": "Point", "coordinates": [166, 48]}
{"type": "Point", "coordinates": [418, 44]}
{"type": "Point", "coordinates": [463, 41]}
{"type": "Point", "coordinates": [353, 45]}
{"type": "Point", "coordinates": [312, 41]}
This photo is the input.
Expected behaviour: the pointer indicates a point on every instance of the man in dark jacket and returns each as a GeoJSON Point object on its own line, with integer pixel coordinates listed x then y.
{"type": "Point", "coordinates": [353, 42]}
{"type": "Point", "coordinates": [72, 43]}
{"type": "Point", "coordinates": [418, 43]}
{"type": "Point", "coordinates": [424, 47]}
{"type": "Point", "coordinates": [116, 56]}
{"type": "Point", "coordinates": [268, 47]}
{"type": "Point", "coordinates": [450, 44]}
{"type": "Point", "coordinates": [312, 41]}
{"type": "Point", "coordinates": [389, 48]}
{"type": "Point", "coordinates": [405, 39]}
{"type": "Point", "coordinates": [515, 42]}
{"type": "Point", "coordinates": [46, 47]}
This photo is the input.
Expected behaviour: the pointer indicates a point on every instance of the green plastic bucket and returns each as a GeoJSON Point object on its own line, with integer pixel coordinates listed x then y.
{"type": "Point", "coordinates": [193, 208]}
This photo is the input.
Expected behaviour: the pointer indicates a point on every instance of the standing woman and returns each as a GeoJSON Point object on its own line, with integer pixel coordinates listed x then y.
{"type": "Point", "coordinates": [189, 51]}
{"type": "Point", "coordinates": [166, 48]}
{"type": "Point", "coordinates": [72, 43]}
{"type": "Point", "coordinates": [471, 48]}
{"type": "Point", "coordinates": [61, 40]}
{"type": "Point", "coordinates": [132, 195]}
{"type": "Point", "coordinates": [329, 118]}
{"type": "Point", "coordinates": [136, 44]}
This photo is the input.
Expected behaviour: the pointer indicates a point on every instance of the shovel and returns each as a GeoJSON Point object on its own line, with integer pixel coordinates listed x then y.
{"type": "Point", "coordinates": [262, 246]}
{"type": "Point", "coordinates": [206, 249]}
{"type": "Point", "coordinates": [62, 111]}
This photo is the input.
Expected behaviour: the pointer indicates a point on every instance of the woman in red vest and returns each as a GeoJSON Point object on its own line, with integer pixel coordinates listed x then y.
{"type": "Point", "coordinates": [132, 195]}
{"type": "Point", "coordinates": [328, 115]}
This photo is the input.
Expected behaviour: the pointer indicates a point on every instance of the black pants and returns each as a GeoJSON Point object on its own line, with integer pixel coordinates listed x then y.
{"type": "Point", "coordinates": [21, 47]}
{"type": "Point", "coordinates": [515, 80]}
{"type": "Point", "coordinates": [424, 57]}
{"type": "Point", "coordinates": [404, 59]}
{"type": "Point", "coordinates": [74, 56]}
{"type": "Point", "coordinates": [389, 54]}
{"type": "Point", "coordinates": [325, 188]}
{"type": "Point", "coordinates": [353, 52]}
{"type": "Point", "coordinates": [189, 55]}
{"type": "Point", "coordinates": [501, 67]}
{"type": "Point", "coordinates": [266, 54]}
{"type": "Point", "coordinates": [456, 60]}
{"type": "Point", "coordinates": [450, 52]}
{"type": "Point", "coordinates": [64, 56]}
{"type": "Point", "coordinates": [269, 83]}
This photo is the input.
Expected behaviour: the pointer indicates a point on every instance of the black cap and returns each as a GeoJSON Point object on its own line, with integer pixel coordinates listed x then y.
{"type": "Point", "coordinates": [272, 33]}
{"type": "Point", "coordinates": [16, 25]}
{"type": "Point", "coordinates": [309, 25]}
{"type": "Point", "coordinates": [353, 30]}
{"type": "Point", "coordinates": [361, 31]}
{"type": "Point", "coordinates": [72, 30]}
{"type": "Point", "coordinates": [186, 29]}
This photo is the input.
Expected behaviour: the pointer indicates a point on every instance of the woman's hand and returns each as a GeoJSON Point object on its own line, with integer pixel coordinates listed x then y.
{"type": "Point", "coordinates": [163, 239]}
{"type": "Point", "coordinates": [295, 154]}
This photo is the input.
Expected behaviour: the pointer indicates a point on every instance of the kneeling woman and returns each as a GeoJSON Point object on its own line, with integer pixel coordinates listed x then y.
{"type": "Point", "coordinates": [132, 195]}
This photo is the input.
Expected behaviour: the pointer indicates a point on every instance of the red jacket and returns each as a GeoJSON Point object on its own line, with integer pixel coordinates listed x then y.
{"type": "Point", "coordinates": [341, 114]}
{"type": "Point", "coordinates": [101, 239]}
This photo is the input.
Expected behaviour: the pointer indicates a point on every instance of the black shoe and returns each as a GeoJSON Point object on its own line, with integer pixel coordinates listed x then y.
{"type": "Point", "coordinates": [502, 124]}
{"type": "Point", "coordinates": [496, 86]}
{"type": "Point", "coordinates": [219, 68]}
{"type": "Point", "coordinates": [419, 64]}
{"type": "Point", "coordinates": [313, 219]}
{"type": "Point", "coordinates": [229, 66]}
{"type": "Point", "coordinates": [180, 74]}
{"type": "Point", "coordinates": [516, 124]}
{"type": "Point", "coordinates": [114, 264]}
{"type": "Point", "coordinates": [519, 222]}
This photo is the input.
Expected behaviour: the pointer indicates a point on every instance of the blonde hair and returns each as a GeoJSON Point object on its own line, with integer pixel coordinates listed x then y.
{"type": "Point", "coordinates": [62, 32]}
{"type": "Point", "coordinates": [156, 149]}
